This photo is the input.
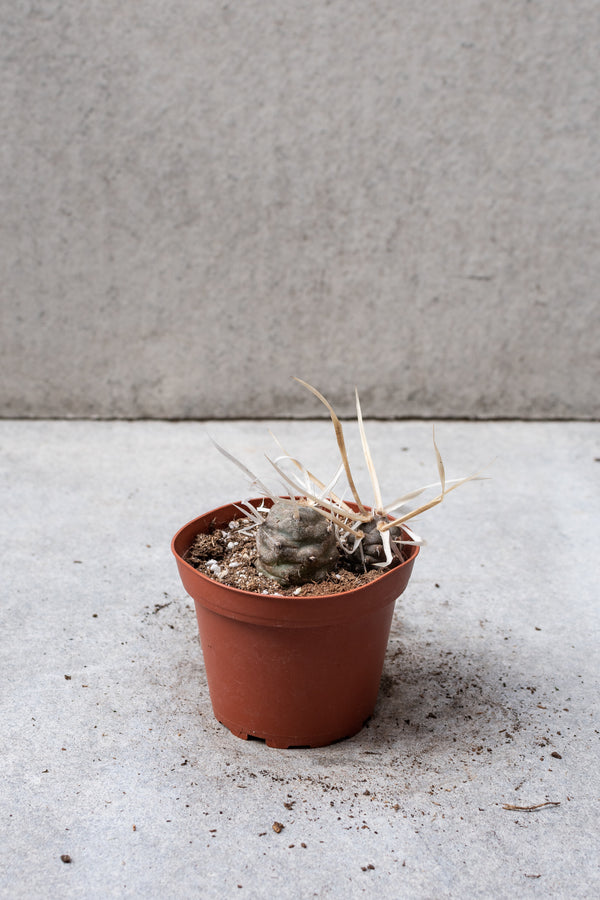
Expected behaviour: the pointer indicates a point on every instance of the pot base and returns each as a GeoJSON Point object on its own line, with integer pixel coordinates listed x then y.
{"type": "Point", "coordinates": [293, 742]}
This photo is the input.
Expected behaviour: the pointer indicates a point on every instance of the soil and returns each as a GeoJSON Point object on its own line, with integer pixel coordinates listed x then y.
{"type": "Point", "coordinates": [228, 555]}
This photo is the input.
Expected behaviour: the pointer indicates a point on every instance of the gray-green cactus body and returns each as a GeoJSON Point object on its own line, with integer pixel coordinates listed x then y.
{"type": "Point", "coordinates": [296, 544]}
{"type": "Point", "coordinates": [371, 548]}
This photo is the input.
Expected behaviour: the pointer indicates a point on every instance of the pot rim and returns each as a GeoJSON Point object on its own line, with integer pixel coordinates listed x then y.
{"type": "Point", "coordinates": [255, 501]}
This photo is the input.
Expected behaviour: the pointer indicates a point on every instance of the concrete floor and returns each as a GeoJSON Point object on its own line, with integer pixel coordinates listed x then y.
{"type": "Point", "coordinates": [489, 696]}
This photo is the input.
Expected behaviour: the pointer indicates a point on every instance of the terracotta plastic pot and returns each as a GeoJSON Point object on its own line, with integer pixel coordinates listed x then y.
{"type": "Point", "coordinates": [294, 671]}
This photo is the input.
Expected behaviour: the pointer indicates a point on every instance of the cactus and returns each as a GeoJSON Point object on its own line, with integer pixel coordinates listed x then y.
{"type": "Point", "coordinates": [298, 540]}
{"type": "Point", "coordinates": [296, 544]}
{"type": "Point", "coordinates": [371, 550]}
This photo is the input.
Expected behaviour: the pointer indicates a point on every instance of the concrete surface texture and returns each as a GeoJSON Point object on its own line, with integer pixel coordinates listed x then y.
{"type": "Point", "coordinates": [489, 697]}
{"type": "Point", "coordinates": [199, 200]}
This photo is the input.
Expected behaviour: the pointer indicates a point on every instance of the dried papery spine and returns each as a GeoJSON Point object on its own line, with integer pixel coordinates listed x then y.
{"type": "Point", "coordinates": [298, 541]}
{"type": "Point", "coordinates": [379, 512]}
{"type": "Point", "coordinates": [256, 482]}
{"type": "Point", "coordinates": [334, 511]}
{"type": "Point", "coordinates": [368, 457]}
{"type": "Point", "coordinates": [376, 548]}
{"type": "Point", "coordinates": [339, 434]}
{"type": "Point", "coordinates": [326, 491]}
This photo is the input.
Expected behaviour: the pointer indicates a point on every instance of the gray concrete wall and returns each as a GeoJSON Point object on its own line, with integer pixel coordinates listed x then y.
{"type": "Point", "coordinates": [200, 199]}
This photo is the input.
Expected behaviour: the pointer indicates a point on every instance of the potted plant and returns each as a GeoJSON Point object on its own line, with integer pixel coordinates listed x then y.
{"type": "Point", "coordinates": [294, 597]}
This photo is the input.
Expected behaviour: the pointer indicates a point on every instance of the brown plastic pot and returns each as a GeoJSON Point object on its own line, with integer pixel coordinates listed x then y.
{"type": "Point", "coordinates": [294, 671]}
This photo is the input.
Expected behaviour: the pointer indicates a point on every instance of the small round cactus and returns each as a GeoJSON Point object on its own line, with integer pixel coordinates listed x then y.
{"type": "Point", "coordinates": [371, 549]}
{"type": "Point", "coordinates": [296, 544]}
